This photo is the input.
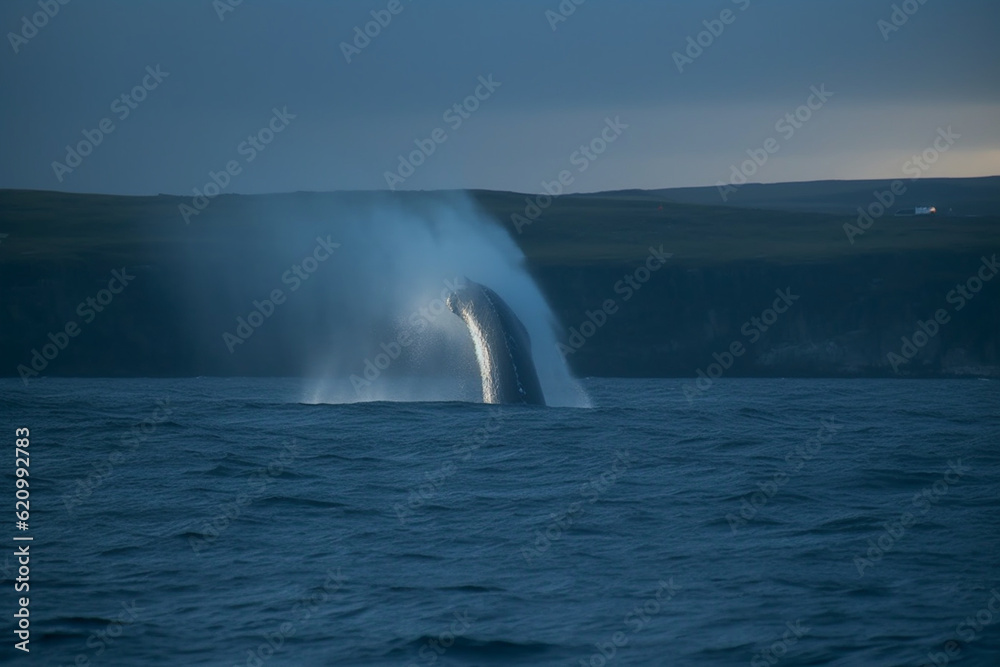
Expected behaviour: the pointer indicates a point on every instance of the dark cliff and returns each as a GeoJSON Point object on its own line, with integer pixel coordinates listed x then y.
{"type": "Point", "coordinates": [823, 305]}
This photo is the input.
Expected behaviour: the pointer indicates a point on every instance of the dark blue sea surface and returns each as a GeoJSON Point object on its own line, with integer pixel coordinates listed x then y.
{"type": "Point", "coordinates": [227, 522]}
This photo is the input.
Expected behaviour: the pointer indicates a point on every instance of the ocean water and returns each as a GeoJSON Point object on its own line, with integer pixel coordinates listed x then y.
{"type": "Point", "coordinates": [767, 522]}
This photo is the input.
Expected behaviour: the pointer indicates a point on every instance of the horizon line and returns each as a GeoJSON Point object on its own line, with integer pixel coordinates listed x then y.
{"type": "Point", "coordinates": [490, 190]}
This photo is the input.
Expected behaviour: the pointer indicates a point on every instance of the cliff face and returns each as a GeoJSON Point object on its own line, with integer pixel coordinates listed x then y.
{"type": "Point", "coordinates": [839, 319]}
{"type": "Point", "coordinates": [112, 286]}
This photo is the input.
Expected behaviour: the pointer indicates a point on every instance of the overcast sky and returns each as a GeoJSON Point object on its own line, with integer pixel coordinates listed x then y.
{"type": "Point", "coordinates": [559, 82]}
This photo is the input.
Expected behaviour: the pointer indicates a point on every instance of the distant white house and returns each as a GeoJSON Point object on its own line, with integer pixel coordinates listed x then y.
{"type": "Point", "coordinates": [919, 210]}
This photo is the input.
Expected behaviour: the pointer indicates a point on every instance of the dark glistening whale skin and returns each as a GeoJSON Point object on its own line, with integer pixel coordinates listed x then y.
{"type": "Point", "coordinates": [503, 347]}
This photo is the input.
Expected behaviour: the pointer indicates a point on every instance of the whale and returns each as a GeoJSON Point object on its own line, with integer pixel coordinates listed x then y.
{"type": "Point", "coordinates": [502, 345]}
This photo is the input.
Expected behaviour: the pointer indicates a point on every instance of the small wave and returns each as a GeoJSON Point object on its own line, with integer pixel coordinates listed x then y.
{"type": "Point", "coordinates": [272, 501]}
{"type": "Point", "coordinates": [499, 650]}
